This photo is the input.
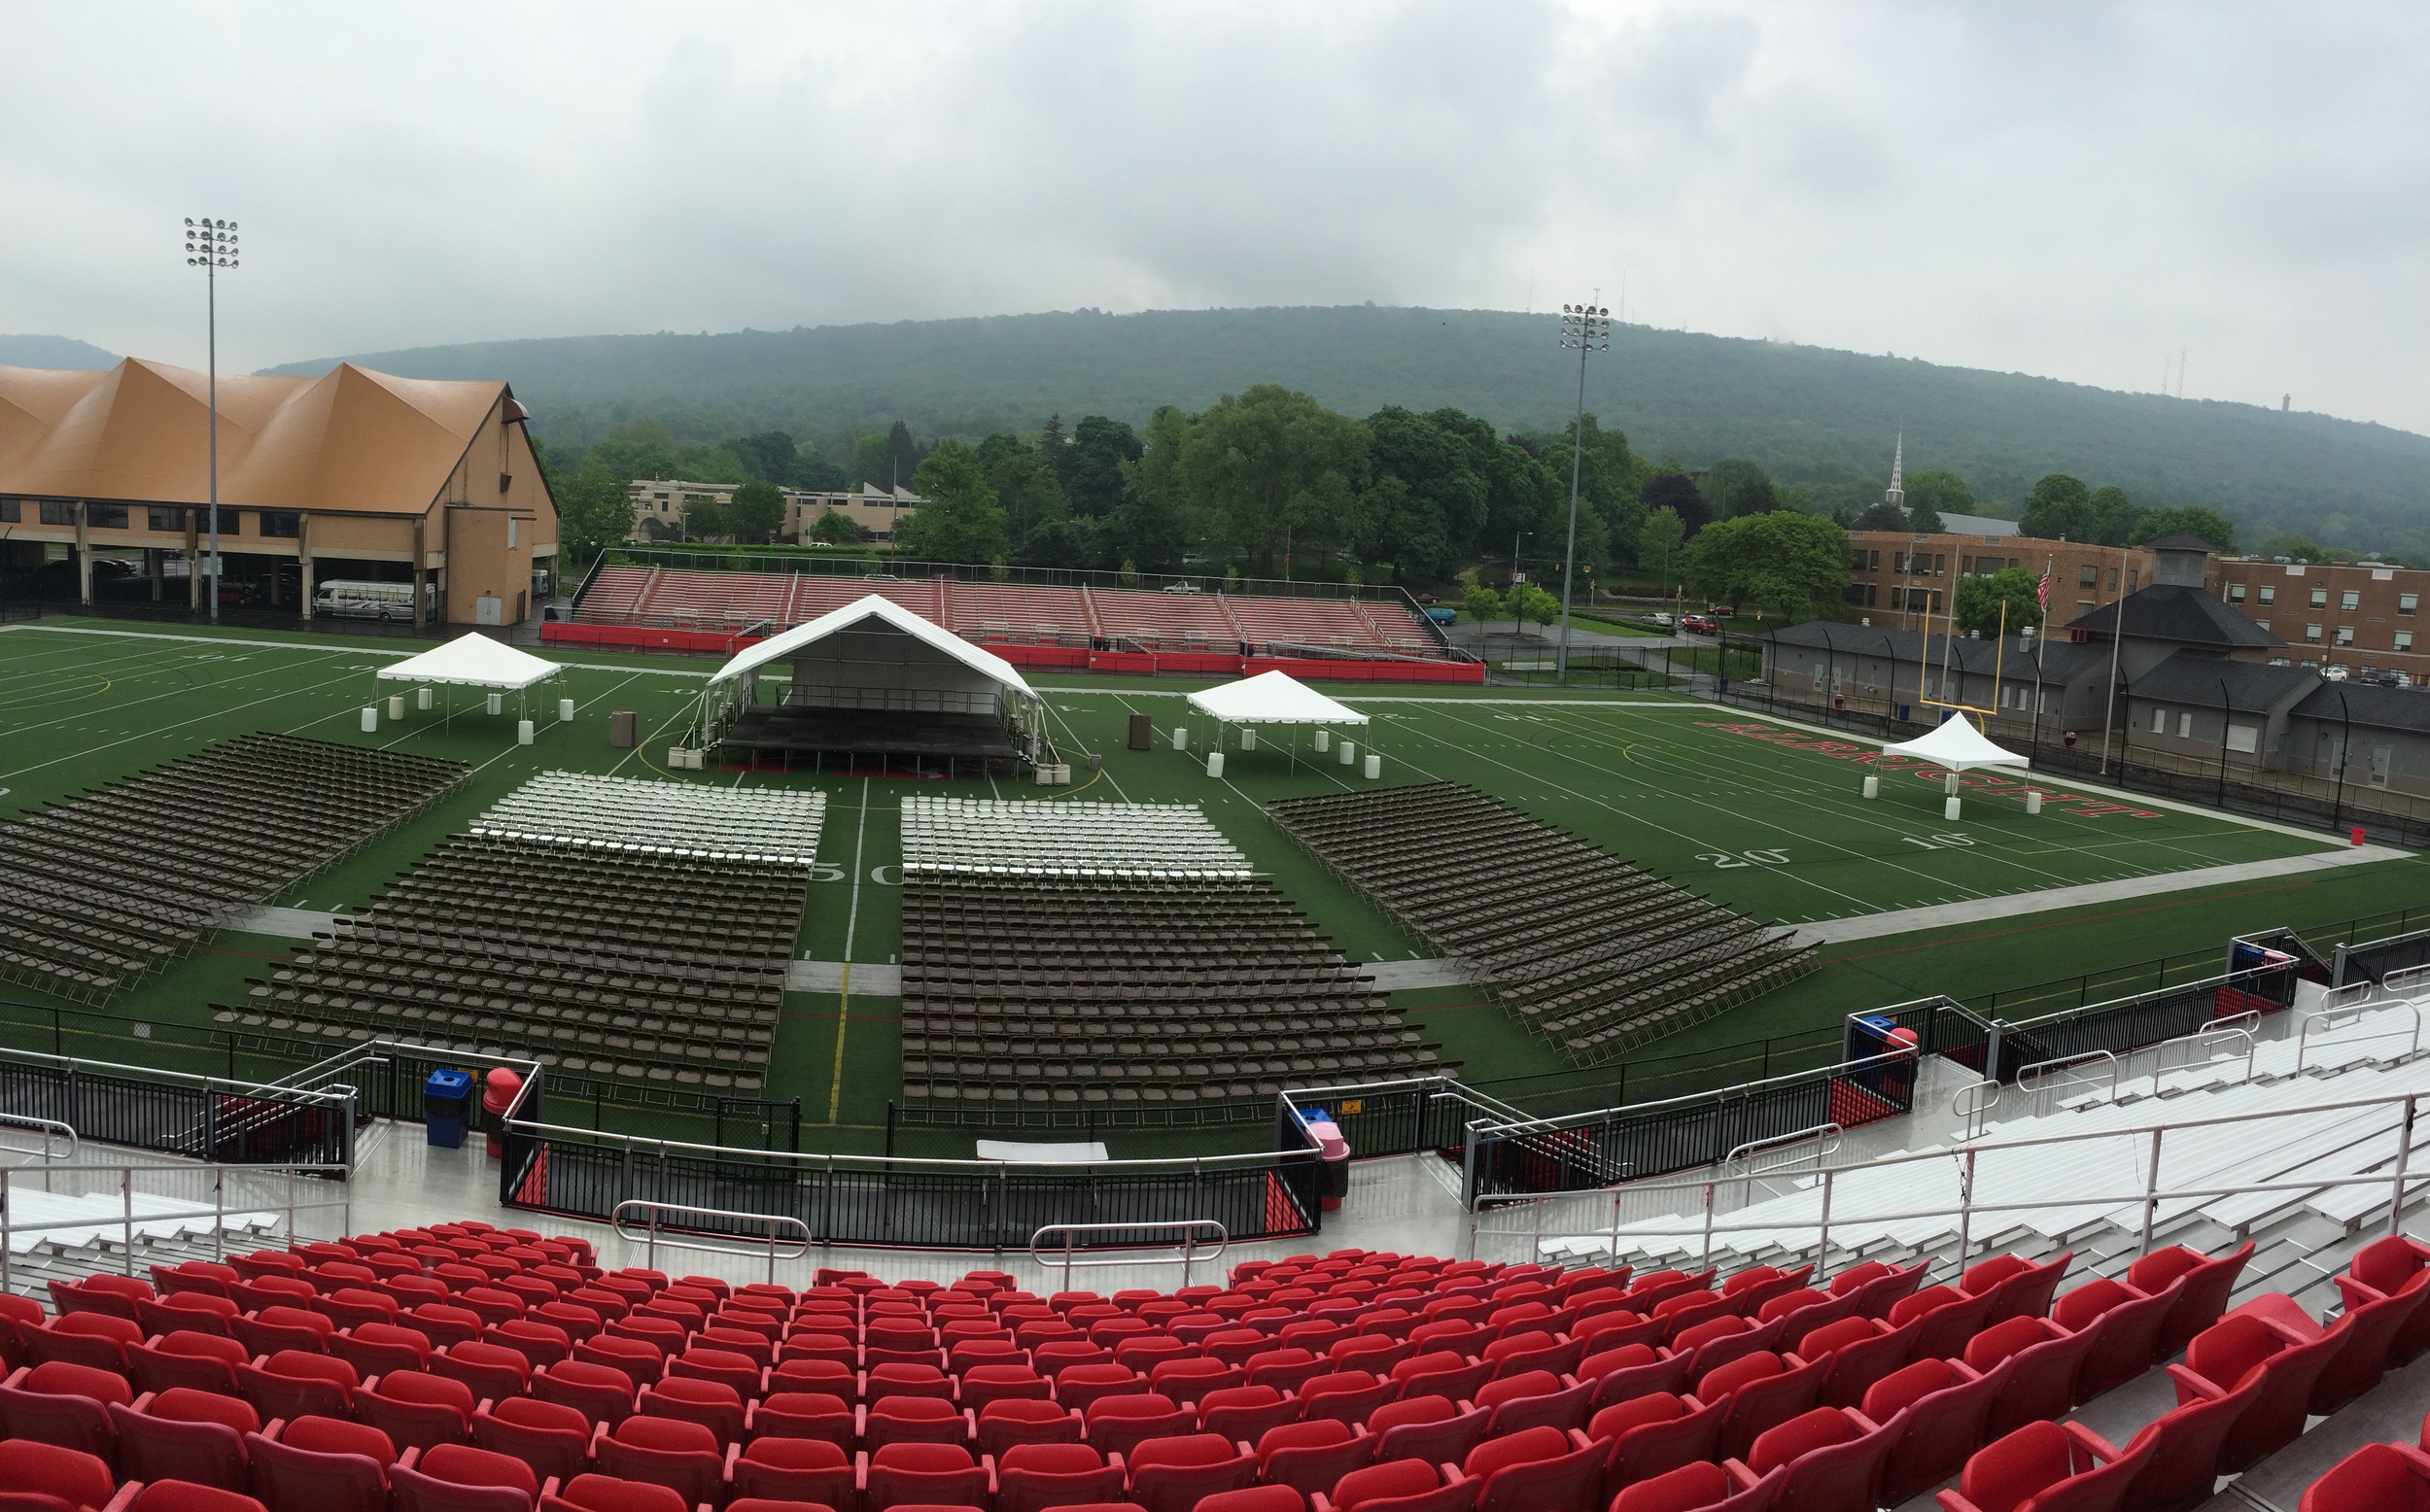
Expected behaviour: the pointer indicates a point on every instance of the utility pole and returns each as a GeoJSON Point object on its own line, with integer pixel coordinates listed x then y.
{"type": "Point", "coordinates": [211, 245]}
{"type": "Point", "coordinates": [1585, 327]}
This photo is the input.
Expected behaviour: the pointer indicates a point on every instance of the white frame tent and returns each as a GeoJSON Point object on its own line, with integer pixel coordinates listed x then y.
{"type": "Point", "coordinates": [474, 660]}
{"type": "Point", "coordinates": [1274, 698]}
{"type": "Point", "coordinates": [884, 657]}
{"type": "Point", "coordinates": [1955, 743]}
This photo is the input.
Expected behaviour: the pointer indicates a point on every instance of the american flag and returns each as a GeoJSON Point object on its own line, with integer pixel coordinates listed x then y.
{"type": "Point", "coordinates": [2042, 591]}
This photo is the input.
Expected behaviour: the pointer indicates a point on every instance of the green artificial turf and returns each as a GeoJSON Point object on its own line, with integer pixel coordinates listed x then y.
{"type": "Point", "coordinates": [1759, 816]}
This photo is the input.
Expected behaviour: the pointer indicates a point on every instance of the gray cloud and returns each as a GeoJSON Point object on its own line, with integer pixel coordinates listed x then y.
{"type": "Point", "coordinates": [2065, 189]}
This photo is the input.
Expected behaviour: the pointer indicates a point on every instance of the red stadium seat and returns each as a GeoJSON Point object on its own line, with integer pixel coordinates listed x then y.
{"type": "Point", "coordinates": [792, 1471]}
{"type": "Point", "coordinates": [1833, 1458]}
{"type": "Point", "coordinates": [184, 1435]}
{"type": "Point", "coordinates": [923, 1475]}
{"type": "Point", "coordinates": [1345, 1395]}
{"type": "Point", "coordinates": [1034, 1477]}
{"type": "Point", "coordinates": [2219, 1359]}
{"type": "Point", "coordinates": [712, 1405]}
{"type": "Point", "coordinates": [1005, 1423]}
{"type": "Point", "coordinates": [1938, 1407]}
{"type": "Point", "coordinates": [1563, 1407]}
{"type": "Point", "coordinates": [914, 1420]}
{"type": "Point", "coordinates": [321, 1465]}
{"type": "Point", "coordinates": [1442, 1373]}
{"type": "Point", "coordinates": [458, 1478]}
{"type": "Point", "coordinates": [66, 1404]}
{"type": "Point", "coordinates": [43, 1477]}
{"type": "Point", "coordinates": [802, 1415]}
{"type": "Point", "coordinates": [491, 1371]}
{"type": "Point", "coordinates": [1538, 1471]}
{"type": "Point", "coordinates": [1697, 1488]}
{"type": "Point", "coordinates": [2375, 1478]}
{"type": "Point", "coordinates": [197, 1361]}
{"type": "Point", "coordinates": [2045, 1467]}
{"type": "Point", "coordinates": [1431, 1428]}
{"type": "Point", "coordinates": [292, 1384]}
{"type": "Point", "coordinates": [2201, 1299]}
{"type": "Point", "coordinates": [2020, 1288]}
{"type": "Point", "coordinates": [608, 1493]}
{"type": "Point", "coordinates": [600, 1393]}
{"type": "Point", "coordinates": [202, 1312]}
{"type": "Point", "coordinates": [415, 1409]}
{"type": "Point", "coordinates": [115, 1295]}
{"type": "Point", "coordinates": [1311, 1456]}
{"type": "Point", "coordinates": [1653, 1435]}
{"type": "Point", "coordinates": [1254, 1498]}
{"type": "Point", "coordinates": [2125, 1325]}
{"type": "Point", "coordinates": [1116, 1425]}
{"type": "Point", "coordinates": [1399, 1486]}
{"type": "Point", "coordinates": [2043, 1361]}
{"type": "Point", "coordinates": [1860, 1350]}
{"type": "Point", "coordinates": [1171, 1474]}
{"type": "Point", "coordinates": [175, 1495]}
{"type": "Point", "coordinates": [1950, 1318]}
{"type": "Point", "coordinates": [2389, 1266]}
{"type": "Point", "coordinates": [1759, 1392]}
{"type": "Point", "coordinates": [2371, 1322]}
{"type": "Point", "coordinates": [99, 1340]}
{"type": "Point", "coordinates": [682, 1456]}
{"type": "Point", "coordinates": [2187, 1444]}
{"type": "Point", "coordinates": [552, 1438]}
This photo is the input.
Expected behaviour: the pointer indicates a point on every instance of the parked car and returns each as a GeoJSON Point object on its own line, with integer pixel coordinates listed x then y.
{"type": "Point", "coordinates": [1663, 619]}
{"type": "Point", "coordinates": [1698, 625]}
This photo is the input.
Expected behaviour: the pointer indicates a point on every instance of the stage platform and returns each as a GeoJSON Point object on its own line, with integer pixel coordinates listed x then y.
{"type": "Point", "coordinates": [819, 739]}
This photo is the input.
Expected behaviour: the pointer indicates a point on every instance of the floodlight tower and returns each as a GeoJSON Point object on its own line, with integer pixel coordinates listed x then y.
{"type": "Point", "coordinates": [1587, 328]}
{"type": "Point", "coordinates": [211, 245]}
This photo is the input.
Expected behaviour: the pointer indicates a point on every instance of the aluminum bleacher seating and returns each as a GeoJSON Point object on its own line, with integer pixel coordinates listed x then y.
{"type": "Point", "coordinates": [614, 594]}
{"type": "Point", "coordinates": [1595, 955]}
{"type": "Point", "coordinates": [106, 887]}
{"type": "Point", "coordinates": [850, 1398]}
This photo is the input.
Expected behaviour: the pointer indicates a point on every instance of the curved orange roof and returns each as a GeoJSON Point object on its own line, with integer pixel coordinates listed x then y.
{"type": "Point", "coordinates": [350, 440]}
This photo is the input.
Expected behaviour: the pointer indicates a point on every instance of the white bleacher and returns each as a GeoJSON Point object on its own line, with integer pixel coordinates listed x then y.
{"type": "Point", "coordinates": [677, 818]}
{"type": "Point", "coordinates": [37, 1218]}
{"type": "Point", "coordinates": [2335, 1165]}
{"type": "Point", "coordinates": [976, 836]}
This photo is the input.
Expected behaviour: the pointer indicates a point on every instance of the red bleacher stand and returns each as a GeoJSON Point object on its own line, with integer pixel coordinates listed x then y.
{"type": "Point", "coordinates": [2046, 1467]}
{"type": "Point", "coordinates": [184, 1435]}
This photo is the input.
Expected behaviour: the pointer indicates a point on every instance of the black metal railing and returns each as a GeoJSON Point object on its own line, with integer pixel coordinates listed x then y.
{"type": "Point", "coordinates": [200, 1118]}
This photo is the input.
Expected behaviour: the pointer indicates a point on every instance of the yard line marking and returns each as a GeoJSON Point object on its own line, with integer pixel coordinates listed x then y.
{"type": "Point", "coordinates": [155, 733]}
{"type": "Point", "coordinates": [852, 926]}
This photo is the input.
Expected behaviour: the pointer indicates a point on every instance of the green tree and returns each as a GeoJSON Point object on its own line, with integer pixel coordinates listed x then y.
{"type": "Point", "coordinates": [1147, 532]}
{"type": "Point", "coordinates": [837, 528]}
{"type": "Point", "coordinates": [2113, 516]}
{"type": "Point", "coordinates": [1527, 601]}
{"type": "Point", "coordinates": [756, 511]}
{"type": "Point", "coordinates": [2192, 519]}
{"type": "Point", "coordinates": [1093, 464]}
{"type": "Point", "coordinates": [2294, 547]}
{"type": "Point", "coordinates": [1883, 515]}
{"type": "Point", "coordinates": [770, 455]}
{"type": "Point", "coordinates": [1270, 470]}
{"type": "Point", "coordinates": [1023, 484]}
{"type": "Point", "coordinates": [1936, 492]}
{"type": "Point", "coordinates": [1660, 539]}
{"type": "Point", "coordinates": [1480, 602]}
{"type": "Point", "coordinates": [1052, 444]}
{"type": "Point", "coordinates": [1428, 494]}
{"type": "Point", "coordinates": [704, 518]}
{"type": "Point", "coordinates": [869, 460]}
{"type": "Point", "coordinates": [1673, 489]}
{"type": "Point", "coordinates": [1796, 563]}
{"type": "Point", "coordinates": [1975, 603]}
{"type": "Point", "coordinates": [1735, 486]}
{"type": "Point", "coordinates": [594, 511]}
{"type": "Point", "coordinates": [902, 456]}
{"type": "Point", "coordinates": [2058, 508]}
{"type": "Point", "coordinates": [960, 520]}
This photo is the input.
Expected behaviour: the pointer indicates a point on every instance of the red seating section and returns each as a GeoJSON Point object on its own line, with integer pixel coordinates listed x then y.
{"type": "Point", "coordinates": [462, 1368]}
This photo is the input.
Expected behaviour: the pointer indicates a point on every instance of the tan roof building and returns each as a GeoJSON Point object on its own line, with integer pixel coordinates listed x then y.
{"type": "Point", "coordinates": [399, 477]}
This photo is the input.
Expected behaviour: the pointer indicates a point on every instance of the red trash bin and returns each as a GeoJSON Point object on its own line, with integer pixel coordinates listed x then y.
{"type": "Point", "coordinates": [499, 1090]}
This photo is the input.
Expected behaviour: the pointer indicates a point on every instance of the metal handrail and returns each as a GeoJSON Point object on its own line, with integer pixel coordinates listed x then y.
{"type": "Point", "coordinates": [46, 1127]}
{"type": "Point", "coordinates": [1900, 1057]}
{"type": "Point", "coordinates": [1827, 1133]}
{"type": "Point", "coordinates": [2246, 1026]}
{"type": "Point", "coordinates": [1189, 1227]}
{"type": "Point", "coordinates": [2311, 1017]}
{"type": "Point", "coordinates": [1972, 1101]}
{"type": "Point", "coordinates": [2068, 1065]}
{"type": "Point", "coordinates": [778, 1225]}
{"type": "Point", "coordinates": [217, 1211]}
{"type": "Point", "coordinates": [2398, 981]}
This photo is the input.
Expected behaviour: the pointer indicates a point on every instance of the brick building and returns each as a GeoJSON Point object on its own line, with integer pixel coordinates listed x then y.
{"type": "Point", "coordinates": [1898, 580]}
{"type": "Point", "coordinates": [2365, 618]}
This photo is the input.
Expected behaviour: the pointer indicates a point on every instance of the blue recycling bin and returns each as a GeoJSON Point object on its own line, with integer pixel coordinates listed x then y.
{"type": "Point", "coordinates": [1902, 713]}
{"type": "Point", "coordinates": [445, 1098]}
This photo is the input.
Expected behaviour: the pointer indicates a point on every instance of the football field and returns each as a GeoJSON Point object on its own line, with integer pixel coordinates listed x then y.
{"type": "Point", "coordinates": [1763, 815]}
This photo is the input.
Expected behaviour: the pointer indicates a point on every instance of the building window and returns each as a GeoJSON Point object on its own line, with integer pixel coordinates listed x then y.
{"type": "Point", "coordinates": [1940, 565]}
{"type": "Point", "coordinates": [2346, 635]}
{"type": "Point", "coordinates": [2236, 593]}
{"type": "Point", "coordinates": [106, 517]}
{"type": "Point", "coordinates": [56, 511]}
{"type": "Point", "coordinates": [2113, 580]}
{"type": "Point", "coordinates": [2320, 597]}
{"type": "Point", "coordinates": [2264, 624]}
{"type": "Point", "coordinates": [1874, 558]}
{"type": "Point", "coordinates": [2268, 593]}
{"type": "Point", "coordinates": [2159, 721]}
{"type": "Point", "coordinates": [1856, 564]}
{"type": "Point", "coordinates": [2403, 641]}
{"type": "Point", "coordinates": [2084, 606]}
{"type": "Point", "coordinates": [2185, 725]}
{"type": "Point", "coordinates": [2350, 600]}
{"type": "Point", "coordinates": [2089, 577]}
{"type": "Point", "coordinates": [285, 524]}
{"type": "Point", "coordinates": [2406, 603]}
{"type": "Point", "coordinates": [159, 519]}
{"type": "Point", "coordinates": [2243, 739]}
{"type": "Point", "coordinates": [2132, 573]}
{"type": "Point", "coordinates": [2312, 634]}
{"type": "Point", "coordinates": [7, 511]}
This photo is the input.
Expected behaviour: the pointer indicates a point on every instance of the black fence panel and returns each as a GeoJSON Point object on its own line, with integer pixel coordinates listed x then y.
{"type": "Point", "coordinates": [2139, 1022]}
{"type": "Point", "coordinates": [180, 1117]}
{"type": "Point", "coordinates": [2375, 961]}
{"type": "Point", "coordinates": [908, 1204]}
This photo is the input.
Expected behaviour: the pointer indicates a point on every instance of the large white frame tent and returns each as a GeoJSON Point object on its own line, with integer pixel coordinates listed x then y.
{"type": "Point", "coordinates": [1955, 743]}
{"type": "Point", "coordinates": [474, 660]}
{"type": "Point", "coordinates": [874, 656]}
{"type": "Point", "coordinates": [1274, 698]}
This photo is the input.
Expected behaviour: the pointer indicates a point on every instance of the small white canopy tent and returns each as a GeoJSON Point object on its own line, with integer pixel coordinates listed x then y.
{"type": "Point", "coordinates": [471, 660]}
{"type": "Point", "coordinates": [1274, 698]}
{"type": "Point", "coordinates": [874, 654]}
{"type": "Point", "coordinates": [1957, 745]}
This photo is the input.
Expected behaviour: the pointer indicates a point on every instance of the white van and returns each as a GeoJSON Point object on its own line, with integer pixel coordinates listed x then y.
{"type": "Point", "coordinates": [343, 600]}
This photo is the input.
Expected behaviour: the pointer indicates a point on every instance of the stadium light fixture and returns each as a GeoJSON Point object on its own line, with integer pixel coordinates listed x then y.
{"type": "Point", "coordinates": [211, 245]}
{"type": "Point", "coordinates": [1584, 328]}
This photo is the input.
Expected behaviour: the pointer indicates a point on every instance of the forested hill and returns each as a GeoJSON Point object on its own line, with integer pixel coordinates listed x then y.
{"type": "Point", "coordinates": [1819, 419]}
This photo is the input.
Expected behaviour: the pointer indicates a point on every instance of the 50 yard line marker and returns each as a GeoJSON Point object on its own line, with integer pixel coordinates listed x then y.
{"type": "Point", "coordinates": [851, 924]}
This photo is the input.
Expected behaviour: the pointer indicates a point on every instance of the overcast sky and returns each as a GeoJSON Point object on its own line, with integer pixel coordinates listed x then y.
{"type": "Point", "coordinates": [2075, 190]}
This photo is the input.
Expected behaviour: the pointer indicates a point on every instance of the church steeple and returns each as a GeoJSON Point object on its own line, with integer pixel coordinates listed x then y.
{"type": "Point", "coordinates": [1897, 497]}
